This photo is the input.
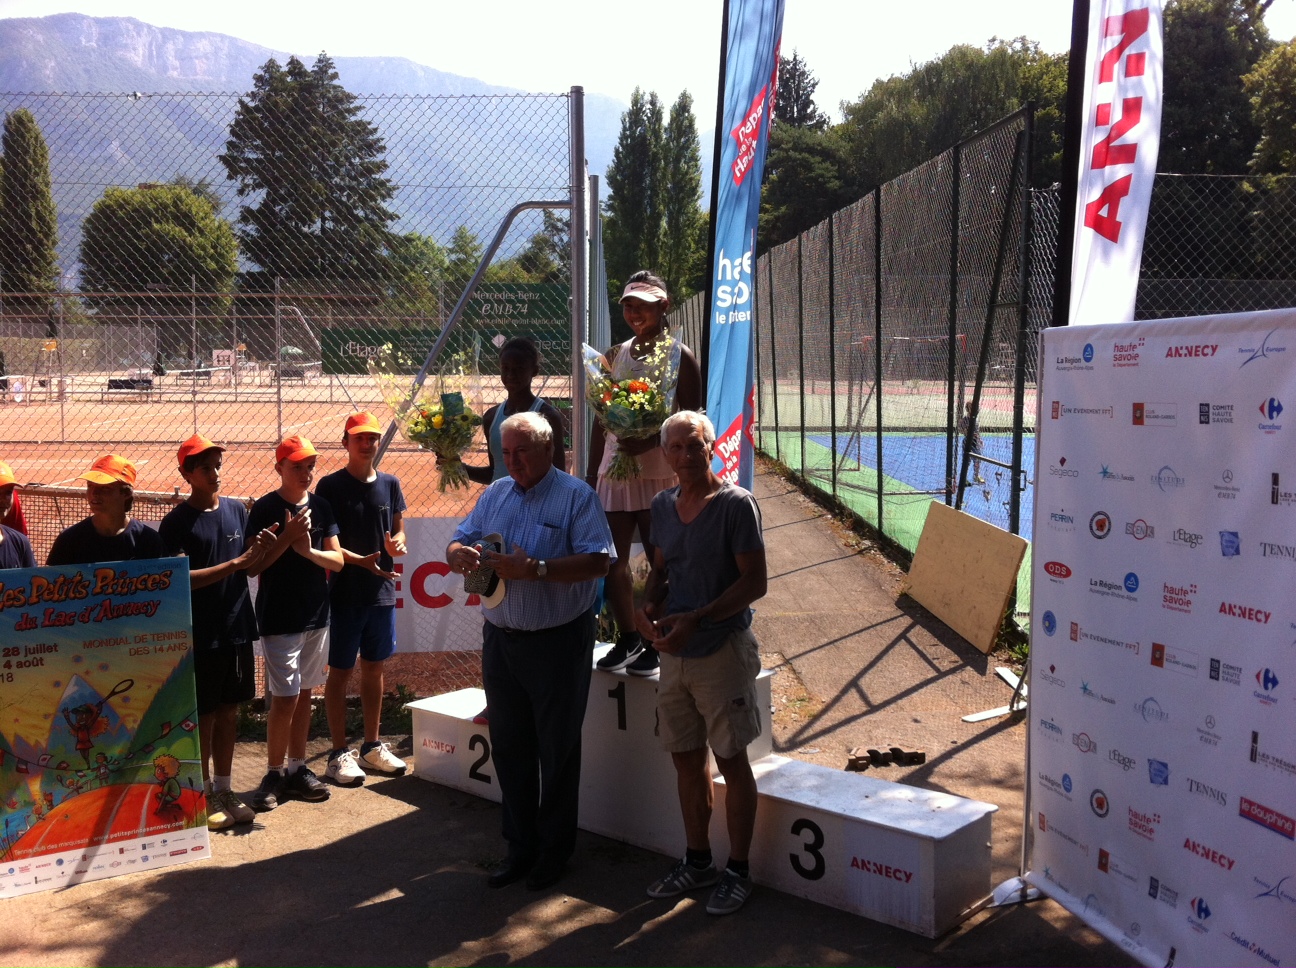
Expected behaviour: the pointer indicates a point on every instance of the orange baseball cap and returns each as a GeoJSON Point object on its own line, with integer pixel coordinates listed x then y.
{"type": "Point", "coordinates": [363, 423]}
{"type": "Point", "coordinates": [108, 469]}
{"type": "Point", "coordinates": [197, 444]}
{"type": "Point", "coordinates": [6, 475]}
{"type": "Point", "coordinates": [294, 448]}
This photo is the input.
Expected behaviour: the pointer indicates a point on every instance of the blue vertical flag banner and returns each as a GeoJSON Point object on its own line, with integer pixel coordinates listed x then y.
{"type": "Point", "coordinates": [99, 749]}
{"type": "Point", "coordinates": [754, 30]}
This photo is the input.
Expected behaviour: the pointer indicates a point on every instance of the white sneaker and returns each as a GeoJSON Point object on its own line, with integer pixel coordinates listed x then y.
{"type": "Point", "coordinates": [344, 770]}
{"type": "Point", "coordinates": [382, 759]}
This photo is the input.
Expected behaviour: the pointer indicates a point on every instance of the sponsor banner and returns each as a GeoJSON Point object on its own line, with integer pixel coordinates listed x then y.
{"type": "Point", "coordinates": [496, 313]}
{"type": "Point", "coordinates": [1118, 152]}
{"type": "Point", "coordinates": [754, 31]}
{"type": "Point", "coordinates": [1163, 765]}
{"type": "Point", "coordinates": [433, 612]}
{"type": "Point", "coordinates": [99, 755]}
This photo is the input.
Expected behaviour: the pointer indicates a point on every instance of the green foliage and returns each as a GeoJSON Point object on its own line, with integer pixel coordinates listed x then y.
{"type": "Point", "coordinates": [904, 121]}
{"type": "Point", "coordinates": [794, 104]}
{"type": "Point", "coordinates": [312, 170]}
{"type": "Point", "coordinates": [420, 269]}
{"type": "Point", "coordinates": [807, 178]}
{"type": "Point", "coordinates": [159, 237]}
{"type": "Point", "coordinates": [28, 222]}
{"type": "Point", "coordinates": [682, 241]}
{"type": "Point", "coordinates": [1271, 87]}
{"type": "Point", "coordinates": [1207, 125]}
{"type": "Point", "coordinates": [652, 215]}
{"type": "Point", "coordinates": [465, 255]}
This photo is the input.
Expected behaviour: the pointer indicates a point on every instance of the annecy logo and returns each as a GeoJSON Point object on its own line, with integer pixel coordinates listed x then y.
{"type": "Point", "coordinates": [1191, 351]}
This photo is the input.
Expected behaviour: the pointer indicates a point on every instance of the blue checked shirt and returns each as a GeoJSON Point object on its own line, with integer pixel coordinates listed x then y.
{"type": "Point", "coordinates": [560, 516]}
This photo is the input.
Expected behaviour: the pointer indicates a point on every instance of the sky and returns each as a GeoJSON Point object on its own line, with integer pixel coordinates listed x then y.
{"type": "Point", "coordinates": [665, 46]}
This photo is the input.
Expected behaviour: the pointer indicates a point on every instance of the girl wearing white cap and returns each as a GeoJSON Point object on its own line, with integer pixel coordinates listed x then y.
{"type": "Point", "coordinates": [644, 304]}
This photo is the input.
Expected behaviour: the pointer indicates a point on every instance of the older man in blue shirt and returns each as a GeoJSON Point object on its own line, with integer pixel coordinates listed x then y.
{"type": "Point", "coordinates": [538, 642]}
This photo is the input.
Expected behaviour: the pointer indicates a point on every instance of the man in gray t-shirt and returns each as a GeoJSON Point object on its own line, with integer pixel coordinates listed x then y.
{"type": "Point", "coordinates": [708, 567]}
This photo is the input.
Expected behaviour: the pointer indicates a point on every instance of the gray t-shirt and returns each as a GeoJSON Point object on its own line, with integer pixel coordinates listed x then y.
{"type": "Point", "coordinates": [700, 562]}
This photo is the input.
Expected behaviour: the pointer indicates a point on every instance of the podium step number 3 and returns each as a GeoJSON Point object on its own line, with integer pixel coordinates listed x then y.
{"type": "Point", "coordinates": [902, 855]}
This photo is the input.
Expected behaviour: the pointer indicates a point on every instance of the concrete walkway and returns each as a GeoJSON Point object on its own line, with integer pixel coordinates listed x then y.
{"type": "Point", "coordinates": [394, 872]}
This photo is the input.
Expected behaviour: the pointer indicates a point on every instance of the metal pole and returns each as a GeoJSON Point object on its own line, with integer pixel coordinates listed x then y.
{"type": "Point", "coordinates": [579, 245]}
{"type": "Point", "coordinates": [193, 346]}
{"type": "Point", "coordinates": [778, 427]}
{"type": "Point", "coordinates": [1023, 330]}
{"type": "Point", "coordinates": [274, 364]}
{"type": "Point", "coordinates": [458, 312]}
{"type": "Point", "coordinates": [877, 342]}
{"type": "Point", "coordinates": [953, 403]}
{"type": "Point", "coordinates": [801, 361]}
{"type": "Point", "coordinates": [832, 348]}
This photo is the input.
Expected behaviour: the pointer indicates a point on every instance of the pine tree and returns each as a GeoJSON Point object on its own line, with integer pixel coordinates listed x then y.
{"type": "Point", "coordinates": [795, 103]}
{"type": "Point", "coordinates": [315, 167]}
{"type": "Point", "coordinates": [28, 221]}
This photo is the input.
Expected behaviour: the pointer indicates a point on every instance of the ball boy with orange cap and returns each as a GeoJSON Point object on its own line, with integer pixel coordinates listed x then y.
{"type": "Point", "coordinates": [15, 549]}
{"type": "Point", "coordinates": [292, 610]}
{"type": "Point", "coordinates": [110, 533]}
{"type": "Point", "coordinates": [368, 505]}
{"type": "Point", "coordinates": [212, 533]}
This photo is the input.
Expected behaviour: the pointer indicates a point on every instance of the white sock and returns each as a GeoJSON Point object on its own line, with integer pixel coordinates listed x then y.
{"type": "Point", "coordinates": [294, 764]}
{"type": "Point", "coordinates": [220, 783]}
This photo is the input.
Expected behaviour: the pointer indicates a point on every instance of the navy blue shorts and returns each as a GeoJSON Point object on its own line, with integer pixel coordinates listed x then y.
{"type": "Point", "coordinates": [224, 677]}
{"type": "Point", "coordinates": [365, 630]}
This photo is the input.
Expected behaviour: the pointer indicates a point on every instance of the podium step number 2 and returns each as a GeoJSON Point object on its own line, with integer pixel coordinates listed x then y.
{"type": "Point", "coordinates": [909, 857]}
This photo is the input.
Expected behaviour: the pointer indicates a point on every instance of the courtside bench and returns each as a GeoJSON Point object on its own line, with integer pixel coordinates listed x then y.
{"type": "Point", "coordinates": [138, 388]}
{"type": "Point", "coordinates": [902, 855]}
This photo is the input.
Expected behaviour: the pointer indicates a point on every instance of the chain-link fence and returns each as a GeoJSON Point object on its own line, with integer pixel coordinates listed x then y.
{"type": "Point", "coordinates": [253, 266]}
{"type": "Point", "coordinates": [879, 329]}
{"type": "Point", "coordinates": [882, 330]}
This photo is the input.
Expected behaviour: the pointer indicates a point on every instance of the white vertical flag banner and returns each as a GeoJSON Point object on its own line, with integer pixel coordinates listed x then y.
{"type": "Point", "coordinates": [1121, 131]}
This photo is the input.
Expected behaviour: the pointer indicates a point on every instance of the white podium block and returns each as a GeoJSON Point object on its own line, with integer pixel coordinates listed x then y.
{"type": "Point", "coordinates": [449, 748]}
{"type": "Point", "coordinates": [628, 788]}
{"type": "Point", "coordinates": [913, 858]}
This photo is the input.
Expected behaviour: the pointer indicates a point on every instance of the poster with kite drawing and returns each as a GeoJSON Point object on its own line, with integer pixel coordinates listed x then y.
{"type": "Point", "coordinates": [99, 755]}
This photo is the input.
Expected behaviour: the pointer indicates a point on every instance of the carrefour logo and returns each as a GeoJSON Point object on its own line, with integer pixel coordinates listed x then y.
{"type": "Point", "coordinates": [1200, 909]}
{"type": "Point", "coordinates": [1271, 409]}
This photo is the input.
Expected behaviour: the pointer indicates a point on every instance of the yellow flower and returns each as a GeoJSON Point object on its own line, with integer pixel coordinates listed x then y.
{"type": "Point", "coordinates": [438, 421]}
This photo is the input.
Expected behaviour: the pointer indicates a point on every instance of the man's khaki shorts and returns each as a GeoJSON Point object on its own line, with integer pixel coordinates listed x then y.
{"type": "Point", "coordinates": [711, 701]}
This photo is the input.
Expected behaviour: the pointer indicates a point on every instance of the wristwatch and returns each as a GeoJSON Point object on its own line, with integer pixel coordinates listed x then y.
{"type": "Point", "coordinates": [542, 568]}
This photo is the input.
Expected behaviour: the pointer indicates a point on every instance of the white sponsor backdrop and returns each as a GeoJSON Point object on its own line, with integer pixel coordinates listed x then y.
{"type": "Point", "coordinates": [433, 612]}
{"type": "Point", "coordinates": [1162, 753]}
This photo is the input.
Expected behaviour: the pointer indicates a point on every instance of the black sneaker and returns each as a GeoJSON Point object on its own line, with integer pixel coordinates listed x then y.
{"type": "Point", "coordinates": [626, 650]}
{"type": "Point", "coordinates": [305, 785]}
{"type": "Point", "coordinates": [646, 664]}
{"type": "Point", "coordinates": [266, 796]}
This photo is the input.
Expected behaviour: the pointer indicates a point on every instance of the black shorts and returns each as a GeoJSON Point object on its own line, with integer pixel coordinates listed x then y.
{"type": "Point", "coordinates": [224, 676]}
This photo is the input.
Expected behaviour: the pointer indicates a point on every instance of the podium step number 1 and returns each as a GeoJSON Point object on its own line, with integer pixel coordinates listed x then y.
{"type": "Point", "coordinates": [909, 857]}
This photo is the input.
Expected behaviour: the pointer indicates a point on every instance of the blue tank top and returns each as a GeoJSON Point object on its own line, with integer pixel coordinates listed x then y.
{"type": "Point", "coordinates": [497, 443]}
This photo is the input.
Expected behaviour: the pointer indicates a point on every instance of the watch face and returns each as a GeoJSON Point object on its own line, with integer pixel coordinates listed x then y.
{"type": "Point", "coordinates": [542, 568]}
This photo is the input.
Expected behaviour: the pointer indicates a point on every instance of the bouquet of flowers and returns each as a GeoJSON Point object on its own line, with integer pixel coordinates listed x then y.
{"type": "Point", "coordinates": [446, 428]}
{"type": "Point", "coordinates": [436, 420]}
{"type": "Point", "coordinates": [631, 407]}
